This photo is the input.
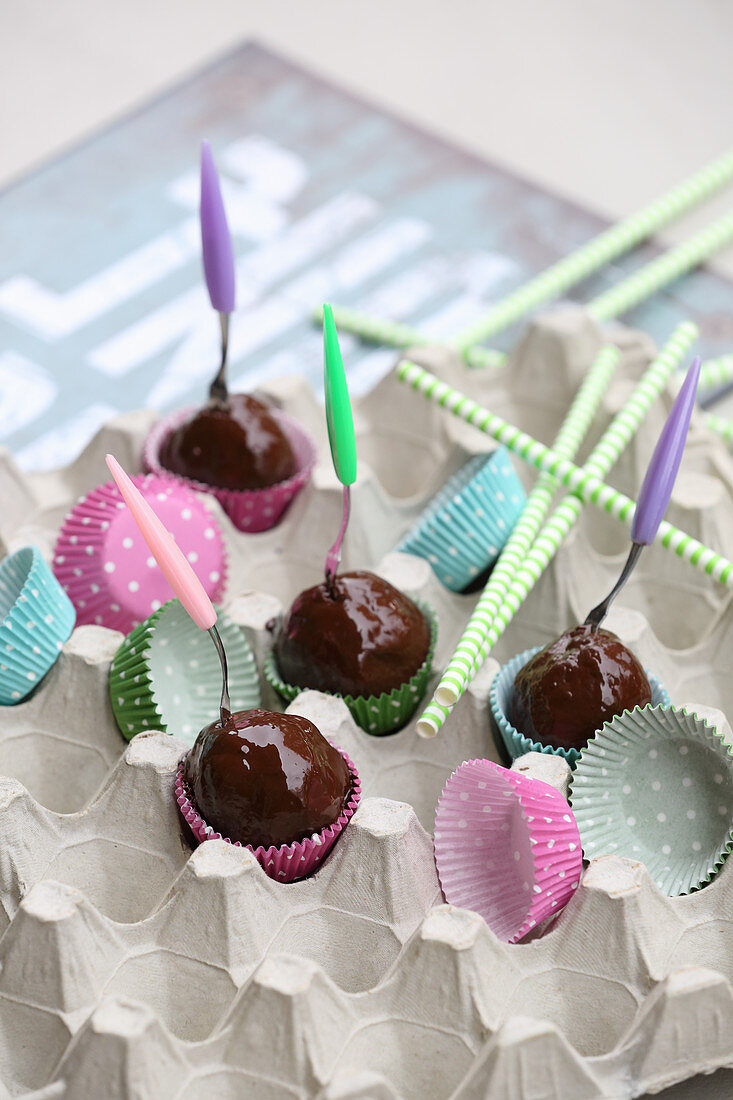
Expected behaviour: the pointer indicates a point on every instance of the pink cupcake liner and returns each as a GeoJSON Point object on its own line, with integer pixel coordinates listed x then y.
{"type": "Point", "coordinates": [105, 566]}
{"type": "Point", "coordinates": [506, 846]}
{"type": "Point", "coordinates": [250, 510]}
{"type": "Point", "coordinates": [288, 862]}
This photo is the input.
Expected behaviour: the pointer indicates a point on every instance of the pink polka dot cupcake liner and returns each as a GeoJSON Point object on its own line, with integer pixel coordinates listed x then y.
{"type": "Point", "coordinates": [105, 566]}
{"type": "Point", "coordinates": [250, 510]}
{"type": "Point", "coordinates": [506, 846]}
{"type": "Point", "coordinates": [656, 784]}
{"type": "Point", "coordinates": [36, 619]}
{"type": "Point", "coordinates": [288, 862]}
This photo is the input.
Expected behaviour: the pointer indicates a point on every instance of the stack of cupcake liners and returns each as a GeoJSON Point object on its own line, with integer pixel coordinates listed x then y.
{"type": "Point", "coordinates": [286, 862]}
{"type": "Point", "coordinates": [250, 510]}
{"type": "Point", "coordinates": [656, 784]}
{"type": "Point", "coordinates": [105, 566]}
{"type": "Point", "coordinates": [500, 701]}
{"type": "Point", "coordinates": [464, 527]}
{"type": "Point", "coordinates": [506, 846]}
{"type": "Point", "coordinates": [36, 619]}
{"type": "Point", "coordinates": [166, 675]}
{"type": "Point", "coordinates": [375, 714]}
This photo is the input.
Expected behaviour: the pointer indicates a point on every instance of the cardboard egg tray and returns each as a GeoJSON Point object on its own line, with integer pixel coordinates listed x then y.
{"type": "Point", "coordinates": [134, 966]}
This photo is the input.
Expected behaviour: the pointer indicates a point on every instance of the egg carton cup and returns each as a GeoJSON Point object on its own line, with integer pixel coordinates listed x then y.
{"type": "Point", "coordinates": [374, 988]}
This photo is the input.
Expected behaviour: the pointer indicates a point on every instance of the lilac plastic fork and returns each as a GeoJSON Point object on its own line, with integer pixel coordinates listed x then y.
{"type": "Point", "coordinates": [657, 486]}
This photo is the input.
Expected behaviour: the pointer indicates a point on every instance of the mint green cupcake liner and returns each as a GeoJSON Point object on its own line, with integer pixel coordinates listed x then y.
{"type": "Point", "coordinates": [166, 675]}
{"type": "Point", "coordinates": [464, 527]}
{"type": "Point", "coordinates": [376, 714]}
{"type": "Point", "coordinates": [500, 700]}
{"type": "Point", "coordinates": [36, 619]}
{"type": "Point", "coordinates": [656, 784]}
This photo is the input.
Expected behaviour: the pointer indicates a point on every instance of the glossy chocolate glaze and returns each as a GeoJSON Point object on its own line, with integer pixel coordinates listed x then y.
{"type": "Point", "coordinates": [565, 693]}
{"type": "Point", "coordinates": [266, 778]}
{"type": "Point", "coordinates": [364, 639]}
{"type": "Point", "coordinates": [239, 445]}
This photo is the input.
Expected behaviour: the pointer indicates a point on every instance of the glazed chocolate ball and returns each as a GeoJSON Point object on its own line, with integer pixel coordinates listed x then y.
{"type": "Point", "coordinates": [363, 638]}
{"type": "Point", "coordinates": [566, 692]}
{"type": "Point", "coordinates": [239, 445]}
{"type": "Point", "coordinates": [265, 778]}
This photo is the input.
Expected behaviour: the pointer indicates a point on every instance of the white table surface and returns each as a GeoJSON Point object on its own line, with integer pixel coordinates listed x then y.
{"type": "Point", "coordinates": [607, 103]}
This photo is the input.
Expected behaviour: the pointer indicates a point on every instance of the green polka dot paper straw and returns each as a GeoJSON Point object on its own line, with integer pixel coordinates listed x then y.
{"type": "Point", "coordinates": [716, 372]}
{"type": "Point", "coordinates": [600, 250]}
{"type": "Point", "coordinates": [484, 627]}
{"type": "Point", "coordinates": [569, 438]}
{"type": "Point", "coordinates": [671, 265]}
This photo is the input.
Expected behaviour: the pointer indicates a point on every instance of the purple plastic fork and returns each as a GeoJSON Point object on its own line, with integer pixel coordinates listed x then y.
{"type": "Point", "coordinates": [218, 255]}
{"type": "Point", "coordinates": [657, 486]}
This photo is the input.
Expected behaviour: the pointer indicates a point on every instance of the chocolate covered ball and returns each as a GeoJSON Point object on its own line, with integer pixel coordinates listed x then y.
{"type": "Point", "coordinates": [364, 637]}
{"type": "Point", "coordinates": [266, 779]}
{"type": "Point", "coordinates": [566, 692]}
{"type": "Point", "coordinates": [238, 445]}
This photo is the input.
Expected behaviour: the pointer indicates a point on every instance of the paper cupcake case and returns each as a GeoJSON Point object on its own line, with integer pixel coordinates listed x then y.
{"type": "Point", "coordinates": [250, 510]}
{"type": "Point", "coordinates": [166, 675]}
{"type": "Point", "coordinates": [500, 700]}
{"type": "Point", "coordinates": [376, 714]}
{"type": "Point", "coordinates": [463, 529]}
{"type": "Point", "coordinates": [656, 784]}
{"type": "Point", "coordinates": [506, 846]}
{"type": "Point", "coordinates": [36, 619]}
{"type": "Point", "coordinates": [105, 566]}
{"type": "Point", "coordinates": [286, 862]}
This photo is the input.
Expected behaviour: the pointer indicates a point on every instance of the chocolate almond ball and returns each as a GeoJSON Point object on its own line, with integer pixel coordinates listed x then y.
{"type": "Point", "coordinates": [566, 692]}
{"type": "Point", "coordinates": [239, 445]}
{"type": "Point", "coordinates": [266, 779]}
{"type": "Point", "coordinates": [364, 638]}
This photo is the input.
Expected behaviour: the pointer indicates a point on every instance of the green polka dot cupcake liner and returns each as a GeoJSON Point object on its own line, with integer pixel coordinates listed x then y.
{"type": "Point", "coordinates": [500, 701]}
{"type": "Point", "coordinates": [166, 675]}
{"type": "Point", "coordinates": [656, 784]}
{"type": "Point", "coordinates": [36, 619]}
{"type": "Point", "coordinates": [465, 526]}
{"type": "Point", "coordinates": [376, 714]}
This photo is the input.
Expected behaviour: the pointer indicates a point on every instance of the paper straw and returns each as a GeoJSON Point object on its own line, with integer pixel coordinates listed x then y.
{"type": "Point", "coordinates": [486, 625]}
{"type": "Point", "coordinates": [607, 246]}
{"type": "Point", "coordinates": [588, 487]}
{"type": "Point", "coordinates": [568, 440]}
{"type": "Point", "coordinates": [721, 425]}
{"type": "Point", "coordinates": [377, 330]}
{"type": "Point", "coordinates": [605, 454]}
{"type": "Point", "coordinates": [716, 372]}
{"type": "Point", "coordinates": [671, 265]}
{"type": "Point", "coordinates": [630, 292]}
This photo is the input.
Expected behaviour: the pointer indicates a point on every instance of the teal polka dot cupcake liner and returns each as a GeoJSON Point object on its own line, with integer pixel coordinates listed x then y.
{"type": "Point", "coordinates": [166, 675]}
{"type": "Point", "coordinates": [36, 619]}
{"type": "Point", "coordinates": [464, 527]}
{"type": "Point", "coordinates": [656, 784]}
{"type": "Point", "coordinates": [500, 700]}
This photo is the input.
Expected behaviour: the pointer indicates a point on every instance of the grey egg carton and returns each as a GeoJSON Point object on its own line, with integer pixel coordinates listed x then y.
{"type": "Point", "coordinates": [132, 966]}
